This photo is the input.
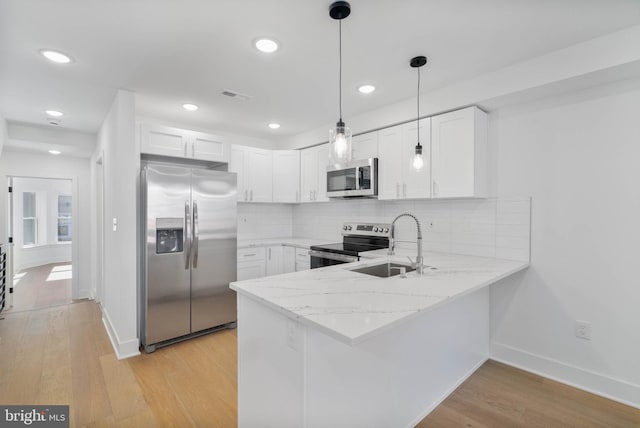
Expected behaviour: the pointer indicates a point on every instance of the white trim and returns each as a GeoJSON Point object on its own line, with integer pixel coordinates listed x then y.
{"type": "Point", "coordinates": [596, 383]}
{"type": "Point", "coordinates": [122, 349]}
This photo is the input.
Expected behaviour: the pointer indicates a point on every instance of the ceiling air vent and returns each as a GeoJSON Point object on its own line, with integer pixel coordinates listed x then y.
{"type": "Point", "coordinates": [237, 95]}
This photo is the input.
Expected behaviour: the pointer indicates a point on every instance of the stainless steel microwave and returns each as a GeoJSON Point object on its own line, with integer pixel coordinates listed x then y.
{"type": "Point", "coordinates": [353, 179]}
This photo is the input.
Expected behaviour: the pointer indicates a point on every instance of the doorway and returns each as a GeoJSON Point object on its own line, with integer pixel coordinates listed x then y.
{"type": "Point", "coordinates": [42, 227]}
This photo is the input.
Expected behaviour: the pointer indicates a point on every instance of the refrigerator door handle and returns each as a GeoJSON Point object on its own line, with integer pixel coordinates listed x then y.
{"type": "Point", "coordinates": [196, 233]}
{"type": "Point", "coordinates": [187, 231]}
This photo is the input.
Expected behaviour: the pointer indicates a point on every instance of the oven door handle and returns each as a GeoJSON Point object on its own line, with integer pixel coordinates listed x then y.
{"type": "Point", "coordinates": [333, 256]}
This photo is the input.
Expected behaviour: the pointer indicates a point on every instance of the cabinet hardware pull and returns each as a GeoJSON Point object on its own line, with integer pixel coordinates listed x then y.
{"type": "Point", "coordinates": [249, 255]}
{"type": "Point", "coordinates": [245, 194]}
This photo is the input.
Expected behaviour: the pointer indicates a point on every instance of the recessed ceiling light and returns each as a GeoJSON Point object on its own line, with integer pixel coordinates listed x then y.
{"type": "Point", "coordinates": [55, 56]}
{"type": "Point", "coordinates": [274, 125]}
{"type": "Point", "coordinates": [54, 113]}
{"type": "Point", "coordinates": [266, 45]}
{"type": "Point", "coordinates": [366, 89]}
{"type": "Point", "coordinates": [190, 107]}
{"type": "Point", "coordinates": [55, 152]}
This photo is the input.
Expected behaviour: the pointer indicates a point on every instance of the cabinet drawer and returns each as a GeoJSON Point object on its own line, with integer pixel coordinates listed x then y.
{"type": "Point", "coordinates": [302, 254]}
{"type": "Point", "coordinates": [302, 266]}
{"type": "Point", "coordinates": [251, 254]}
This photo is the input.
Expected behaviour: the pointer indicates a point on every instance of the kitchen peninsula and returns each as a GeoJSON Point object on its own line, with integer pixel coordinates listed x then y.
{"type": "Point", "coordinates": [334, 347]}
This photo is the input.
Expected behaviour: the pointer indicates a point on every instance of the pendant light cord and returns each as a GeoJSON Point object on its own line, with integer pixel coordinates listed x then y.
{"type": "Point", "coordinates": [340, 72]}
{"type": "Point", "coordinates": [418, 117]}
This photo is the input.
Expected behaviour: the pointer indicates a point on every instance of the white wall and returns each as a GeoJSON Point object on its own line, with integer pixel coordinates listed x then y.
{"type": "Point", "coordinates": [61, 167]}
{"type": "Point", "coordinates": [117, 147]}
{"type": "Point", "coordinates": [3, 133]}
{"type": "Point", "coordinates": [47, 248]}
{"type": "Point", "coordinates": [577, 156]}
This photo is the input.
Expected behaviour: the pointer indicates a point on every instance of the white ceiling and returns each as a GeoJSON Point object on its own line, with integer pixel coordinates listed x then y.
{"type": "Point", "coordinates": [171, 52]}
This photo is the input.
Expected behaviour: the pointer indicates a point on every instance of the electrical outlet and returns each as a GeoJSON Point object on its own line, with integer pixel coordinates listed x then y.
{"type": "Point", "coordinates": [583, 330]}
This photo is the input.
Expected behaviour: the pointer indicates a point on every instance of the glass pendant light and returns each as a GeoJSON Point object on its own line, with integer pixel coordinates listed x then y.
{"type": "Point", "coordinates": [340, 149]}
{"type": "Point", "coordinates": [418, 161]}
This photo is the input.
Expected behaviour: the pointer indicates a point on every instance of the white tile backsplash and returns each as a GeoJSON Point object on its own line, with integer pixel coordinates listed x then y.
{"type": "Point", "coordinates": [262, 221]}
{"type": "Point", "coordinates": [479, 227]}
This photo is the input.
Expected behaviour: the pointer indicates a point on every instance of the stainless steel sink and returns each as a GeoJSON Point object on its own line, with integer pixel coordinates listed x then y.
{"type": "Point", "coordinates": [384, 270]}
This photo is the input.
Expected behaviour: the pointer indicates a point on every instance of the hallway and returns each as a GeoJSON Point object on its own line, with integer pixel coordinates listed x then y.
{"type": "Point", "coordinates": [42, 287]}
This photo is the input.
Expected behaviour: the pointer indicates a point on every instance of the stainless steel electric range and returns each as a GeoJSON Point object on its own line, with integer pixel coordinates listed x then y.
{"type": "Point", "coordinates": [356, 239]}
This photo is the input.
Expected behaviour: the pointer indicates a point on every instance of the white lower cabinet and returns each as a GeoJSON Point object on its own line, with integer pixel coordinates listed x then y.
{"type": "Point", "coordinates": [251, 263]}
{"type": "Point", "coordinates": [303, 260]}
{"type": "Point", "coordinates": [288, 259]}
{"type": "Point", "coordinates": [274, 265]}
{"type": "Point", "coordinates": [256, 262]}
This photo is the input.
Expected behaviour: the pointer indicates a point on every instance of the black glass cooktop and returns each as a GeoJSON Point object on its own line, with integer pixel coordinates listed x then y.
{"type": "Point", "coordinates": [352, 248]}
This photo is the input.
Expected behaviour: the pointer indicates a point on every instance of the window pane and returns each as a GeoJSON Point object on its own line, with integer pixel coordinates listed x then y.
{"type": "Point", "coordinates": [29, 231]}
{"type": "Point", "coordinates": [28, 204]}
{"type": "Point", "coordinates": [64, 206]}
{"type": "Point", "coordinates": [64, 229]}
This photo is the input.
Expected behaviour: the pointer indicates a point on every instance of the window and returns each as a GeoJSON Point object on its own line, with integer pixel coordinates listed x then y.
{"type": "Point", "coordinates": [64, 218]}
{"type": "Point", "coordinates": [29, 219]}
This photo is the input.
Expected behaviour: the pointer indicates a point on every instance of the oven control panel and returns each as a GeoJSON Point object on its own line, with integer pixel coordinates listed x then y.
{"type": "Point", "coordinates": [366, 229]}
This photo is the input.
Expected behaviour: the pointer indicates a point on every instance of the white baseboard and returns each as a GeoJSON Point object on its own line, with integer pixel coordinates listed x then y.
{"type": "Point", "coordinates": [122, 349]}
{"type": "Point", "coordinates": [614, 389]}
{"type": "Point", "coordinates": [446, 394]}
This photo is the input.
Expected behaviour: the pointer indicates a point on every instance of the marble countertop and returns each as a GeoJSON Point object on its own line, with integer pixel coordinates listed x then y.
{"type": "Point", "coordinates": [292, 242]}
{"type": "Point", "coordinates": [352, 306]}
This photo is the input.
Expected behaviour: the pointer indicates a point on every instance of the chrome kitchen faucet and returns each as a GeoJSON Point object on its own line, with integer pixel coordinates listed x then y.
{"type": "Point", "coordinates": [418, 265]}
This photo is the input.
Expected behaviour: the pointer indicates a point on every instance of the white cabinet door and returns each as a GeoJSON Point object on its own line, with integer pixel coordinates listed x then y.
{"type": "Point", "coordinates": [251, 270]}
{"type": "Point", "coordinates": [209, 147]}
{"type": "Point", "coordinates": [288, 259]}
{"type": "Point", "coordinates": [260, 172]}
{"type": "Point", "coordinates": [236, 164]}
{"type": "Point", "coordinates": [164, 141]}
{"type": "Point", "coordinates": [322, 153]}
{"type": "Point", "coordinates": [365, 146]}
{"type": "Point", "coordinates": [274, 260]}
{"type": "Point", "coordinates": [308, 174]}
{"type": "Point", "coordinates": [286, 176]}
{"type": "Point", "coordinates": [416, 184]}
{"type": "Point", "coordinates": [255, 173]}
{"type": "Point", "coordinates": [459, 153]}
{"type": "Point", "coordinates": [390, 160]}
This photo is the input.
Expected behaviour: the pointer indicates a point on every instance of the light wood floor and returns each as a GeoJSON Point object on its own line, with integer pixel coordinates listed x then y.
{"type": "Point", "coordinates": [42, 287]}
{"type": "Point", "coordinates": [62, 355]}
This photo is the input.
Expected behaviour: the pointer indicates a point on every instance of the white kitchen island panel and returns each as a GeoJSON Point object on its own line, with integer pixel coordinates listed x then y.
{"type": "Point", "coordinates": [293, 375]}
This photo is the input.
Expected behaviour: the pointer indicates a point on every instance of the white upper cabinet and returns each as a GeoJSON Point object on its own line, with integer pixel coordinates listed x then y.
{"type": "Point", "coordinates": [255, 173]}
{"type": "Point", "coordinates": [182, 143]}
{"type": "Point", "coordinates": [209, 147]}
{"type": "Point", "coordinates": [365, 146]}
{"type": "Point", "coordinates": [163, 140]}
{"type": "Point", "coordinates": [286, 176]}
{"type": "Point", "coordinates": [396, 177]}
{"type": "Point", "coordinates": [313, 173]}
{"type": "Point", "coordinates": [459, 154]}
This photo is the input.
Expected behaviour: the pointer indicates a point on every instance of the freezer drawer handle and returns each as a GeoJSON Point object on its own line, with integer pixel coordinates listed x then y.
{"type": "Point", "coordinates": [187, 247]}
{"type": "Point", "coordinates": [196, 234]}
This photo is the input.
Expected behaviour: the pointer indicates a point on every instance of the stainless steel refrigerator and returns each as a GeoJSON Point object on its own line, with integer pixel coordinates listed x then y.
{"type": "Point", "coordinates": [188, 250]}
